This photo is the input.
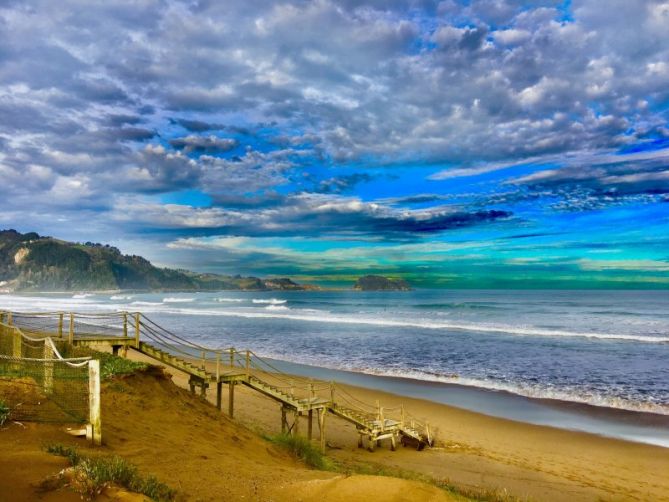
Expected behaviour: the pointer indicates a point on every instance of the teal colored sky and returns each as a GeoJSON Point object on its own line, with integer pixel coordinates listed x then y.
{"type": "Point", "coordinates": [488, 144]}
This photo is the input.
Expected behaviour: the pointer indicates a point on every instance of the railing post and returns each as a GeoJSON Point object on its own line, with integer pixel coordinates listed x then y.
{"type": "Point", "coordinates": [292, 388]}
{"type": "Point", "coordinates": [427, 433]}
{"type": "Point", "coordinates": [312, 394]}
{"type": "Point", "coordinates": [9, 318]}
{"type": "Point", "coordinates": [218, 367]}
{"type": "Point", "coordinates": [71, 333]}
{"type": "Point", "coordinates": [60, 325]}
{"type": "Point", "coordinates": [402, 416]}
{"type": "Point", "coordinates": [48, 368]}
{"type": "Point", "coordinates": [232, 357]}
{"type": "Point", "coordinates": [381, 419]}
{"type": "Point", "coordinates": [248, 362]}
{"type": "Point", "coordinates": [17, 344]}
{"type": "Point", "coordinates": [204, 360]}
{"type": "Point", "coordinates": [332, 392]}
{"type": "Point", "coordinates": [94, 400]}
{"type": "Point", "coordinates": [125, 325]}
{"type": "Point", "coordinates": [137, 329]}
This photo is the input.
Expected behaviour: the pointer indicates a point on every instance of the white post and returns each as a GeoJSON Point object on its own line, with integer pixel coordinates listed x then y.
{"type": "Point", "coordinates": [94, 400]}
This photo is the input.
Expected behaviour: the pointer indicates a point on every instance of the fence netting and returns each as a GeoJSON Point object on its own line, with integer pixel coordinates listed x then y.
{"type": "Point", "coordinates": [37, 384]}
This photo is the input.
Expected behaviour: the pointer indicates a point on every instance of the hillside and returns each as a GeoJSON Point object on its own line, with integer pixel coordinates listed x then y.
{"type": "Point", "coordinates": [30, 262]}
{"type": "Point", "coordinates": [379, 283]}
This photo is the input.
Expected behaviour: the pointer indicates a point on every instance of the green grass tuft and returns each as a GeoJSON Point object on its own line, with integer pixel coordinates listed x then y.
{"type": "Point", "coordinates": [302, 449]}
{"type": "Point", "coordinates": [94, 474]}
{"type": "Point", "coordinates": [60, 450]}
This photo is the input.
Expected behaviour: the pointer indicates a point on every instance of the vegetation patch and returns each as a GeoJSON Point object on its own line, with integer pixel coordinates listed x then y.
{"type": "Point", "coordinates": [110, 365]}
{"type": "Point", "coordinates": [302, 449]}
{"type": "Point", "coordinates": [4, 412]}
{"type": "Point", "coordinates": [89, 476]}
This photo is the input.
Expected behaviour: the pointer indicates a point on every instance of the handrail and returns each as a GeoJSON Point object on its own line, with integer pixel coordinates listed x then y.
{"type": "Point", "coordinates": [295, 386]}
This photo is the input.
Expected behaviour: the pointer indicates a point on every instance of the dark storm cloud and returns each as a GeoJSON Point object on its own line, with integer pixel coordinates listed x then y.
{"type": "Point", "coordinates": [305, 215]}
{"type": "Point", "coordinates": [204, 144]}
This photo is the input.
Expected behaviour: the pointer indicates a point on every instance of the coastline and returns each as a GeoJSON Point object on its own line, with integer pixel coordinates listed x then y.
{"type": "Point", "coordinates": [475, 450]}
{"type": "Point", "coordinates": [637, 426]}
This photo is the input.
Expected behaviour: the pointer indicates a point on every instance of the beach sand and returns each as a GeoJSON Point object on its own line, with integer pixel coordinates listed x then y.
{"type": "Point", "coordinates": [198, 450]}
{"type": "Point", "coordinates": [483, 452]}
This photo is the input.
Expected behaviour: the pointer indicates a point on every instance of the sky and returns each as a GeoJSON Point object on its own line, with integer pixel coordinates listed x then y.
{"type": "Point", "coordinates": [489, 144]}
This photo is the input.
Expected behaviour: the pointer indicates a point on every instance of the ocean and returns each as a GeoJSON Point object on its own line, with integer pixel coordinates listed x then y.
{"type": "Point", "coordinates": [607, 349]}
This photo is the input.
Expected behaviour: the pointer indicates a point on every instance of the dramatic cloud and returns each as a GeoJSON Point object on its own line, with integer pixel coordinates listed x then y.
{"type": "Point", "coordinates": [390, 120]}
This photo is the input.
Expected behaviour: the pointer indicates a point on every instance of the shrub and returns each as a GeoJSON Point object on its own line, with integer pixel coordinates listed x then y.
{"type": "Point", "coordinates": [4, 412]}
{"type": "Point", "coordinates": [91, 475]}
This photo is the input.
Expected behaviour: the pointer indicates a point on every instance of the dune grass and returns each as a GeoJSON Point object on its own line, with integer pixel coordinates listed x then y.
{"type": "Point", "coordinates": [91, 475]}
{"type": "Point", "coordinates": [303, 449]}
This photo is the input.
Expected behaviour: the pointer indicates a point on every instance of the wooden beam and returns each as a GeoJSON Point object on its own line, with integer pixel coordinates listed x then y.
{"type": "Point", "coordinates": [231, 399]}
{"type": "Point", "coordinates": [71, 333]}
{"type": "Point", "coordinates": [310, 424]}
{"type": "Point", "coordinates": [219, 386]}
{"type": "Point", "coordinates": [321, 426]}
{"type": "Point", "coordinates": [284, 422]}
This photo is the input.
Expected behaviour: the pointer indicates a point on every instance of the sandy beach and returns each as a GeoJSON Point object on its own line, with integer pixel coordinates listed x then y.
{"type": "Point", "coordinates": [478, 451]}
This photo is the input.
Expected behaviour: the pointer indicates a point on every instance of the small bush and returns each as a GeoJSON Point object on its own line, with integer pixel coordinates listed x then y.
{"type": "Point", "coordinates": [91, 475]}
{"type": "Point", "coordinates": [302, 448]}
{"type": "Point", "coordinates": [4, 412]}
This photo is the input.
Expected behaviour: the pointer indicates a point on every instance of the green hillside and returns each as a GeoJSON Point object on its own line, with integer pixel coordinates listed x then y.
{"type": "Point", "coordinates": [30, 262]}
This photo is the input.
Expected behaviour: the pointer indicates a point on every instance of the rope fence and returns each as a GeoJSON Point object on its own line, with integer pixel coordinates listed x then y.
{"type": "Point", "coordinates": [132, 329]}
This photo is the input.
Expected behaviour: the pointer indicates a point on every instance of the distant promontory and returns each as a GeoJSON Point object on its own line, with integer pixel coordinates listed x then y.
{"type": "Point", "coordinates": [380, 283]}
{"type": "Point", "coordinates": [31, 262]}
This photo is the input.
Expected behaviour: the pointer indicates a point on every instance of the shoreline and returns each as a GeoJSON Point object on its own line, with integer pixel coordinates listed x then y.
{"type": "Point", "coordinates": [480, 451]}
{"type": "Point", "coordinates": [629, 425]}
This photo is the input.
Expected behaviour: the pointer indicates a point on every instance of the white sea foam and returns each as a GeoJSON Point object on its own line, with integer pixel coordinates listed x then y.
{"type": "Point", "coordinates": [271, 301]}
{"type": "Point", "coordinates": [230, 300]}
{"type": "Point", "coordinates": [146, 304]}
{"type": "Point", "coordinates": [81, 296]}
{"type": "Point", "coordinates": [534, 391]}
{"type": "Point", "coordinates": [276, 307]}
{"type": "Point", "coordinates": [324, 317]}
{"type": "Point", "coordinates": [178, 300]}
{"type": "Point", "coordinates": [120, 297]}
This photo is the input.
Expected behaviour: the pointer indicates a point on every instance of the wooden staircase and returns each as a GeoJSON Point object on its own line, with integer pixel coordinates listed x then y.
{"type": "Point", "coordinates": [131, 330]}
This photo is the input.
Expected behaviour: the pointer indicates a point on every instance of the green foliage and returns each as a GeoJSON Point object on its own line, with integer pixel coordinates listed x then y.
{"type": "Point", "coordinates": [4, 412]}
{"type": "Point", "coordinates": [93, 474]}
{"type": "Point", "coordinates": [302, 449]}
{"type": "Point", "coordinates": [111, 365]}
{"type": "Point", "coordinates": [61, 450]}
{"type": "Point", "coordinates": [51, 264]}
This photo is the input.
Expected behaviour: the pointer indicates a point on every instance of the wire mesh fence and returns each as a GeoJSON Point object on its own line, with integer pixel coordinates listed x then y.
{"type": "Point", "coordinates": [38, 384]}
